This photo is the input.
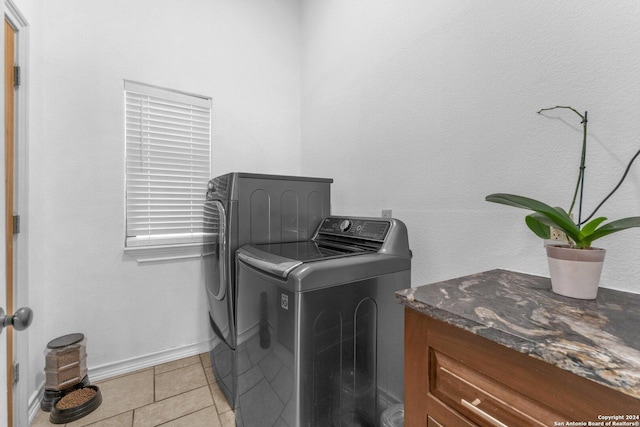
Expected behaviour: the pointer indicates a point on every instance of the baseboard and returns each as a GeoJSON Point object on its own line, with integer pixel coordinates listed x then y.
{"type": "Point", "coordinates": [112, 370]}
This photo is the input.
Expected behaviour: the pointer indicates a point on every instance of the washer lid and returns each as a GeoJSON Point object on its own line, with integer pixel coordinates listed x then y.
{"type": "Point", "coordinates": [308, 250]}
{"type": "Point", "coordinates": [268, 262]}
{"type": "Point", "coordinates": [280, 258]}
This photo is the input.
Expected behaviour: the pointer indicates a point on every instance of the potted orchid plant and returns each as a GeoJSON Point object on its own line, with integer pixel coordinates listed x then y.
{"type": "Point", "coordinates": [574, 267]}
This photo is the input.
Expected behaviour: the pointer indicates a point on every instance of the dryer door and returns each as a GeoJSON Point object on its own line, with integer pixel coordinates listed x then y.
{"type": "Point", "coordinates": [216, 275]}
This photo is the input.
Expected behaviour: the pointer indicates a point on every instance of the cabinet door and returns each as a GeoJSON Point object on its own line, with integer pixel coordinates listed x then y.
{"type": "Point", "coordinates": [459, 378]}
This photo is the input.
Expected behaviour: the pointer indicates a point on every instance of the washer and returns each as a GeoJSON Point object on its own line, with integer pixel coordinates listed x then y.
{"type": "Point", "coordinates": [319, 334]}
{"type": "Point", "coordinates": [243, 208]}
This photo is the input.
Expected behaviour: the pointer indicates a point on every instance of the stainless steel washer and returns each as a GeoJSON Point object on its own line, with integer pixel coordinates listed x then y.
{"type": "Point", "coordinates": [246, 208]}
{"type": "Point", "coordinates": [318, 329]}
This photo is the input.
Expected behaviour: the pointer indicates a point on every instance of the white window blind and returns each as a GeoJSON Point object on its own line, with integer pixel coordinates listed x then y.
{"type": "Point", "coordinates": [168, 157]}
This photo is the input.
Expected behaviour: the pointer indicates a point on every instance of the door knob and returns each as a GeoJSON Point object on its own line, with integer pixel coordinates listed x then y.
{"type": "Point", "coordinates": [20, 320]}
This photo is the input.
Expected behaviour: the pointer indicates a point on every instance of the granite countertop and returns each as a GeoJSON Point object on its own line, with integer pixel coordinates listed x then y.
{"type": "Point", "coordinates": [596, 339]}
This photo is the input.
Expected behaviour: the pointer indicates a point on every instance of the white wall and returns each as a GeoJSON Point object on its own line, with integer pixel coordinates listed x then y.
{"type": "Point", "coordinates": [420, 106]}
{"type": "Point", "coordinates": [243, 53]}
{"type": "Point", "coordinates": [426, 107]}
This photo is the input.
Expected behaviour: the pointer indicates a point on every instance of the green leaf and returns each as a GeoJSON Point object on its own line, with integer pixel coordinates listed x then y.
{"type": "Point", "coordinates": [614, 227]}
{"type": "Point", "coordinates": [590, 227]}
{"type": "Point", "coordinates": [558, 217]}
{"type": "Point", "coordinates": [536, 224]}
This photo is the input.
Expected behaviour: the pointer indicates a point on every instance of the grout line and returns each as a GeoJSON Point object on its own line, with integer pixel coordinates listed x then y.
{"type": "Point", "coordinates": [186, 415]}
{"type": "Point", "coordinates": [177, 367]}
{"type": "Point", "coordinates": [176, 395]}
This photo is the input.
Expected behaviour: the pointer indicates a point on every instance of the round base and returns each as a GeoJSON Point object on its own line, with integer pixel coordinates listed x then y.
{"type": "Point", "coordinates": [63, 416]}
{"type": "Point", "coordinates": [51, 396]}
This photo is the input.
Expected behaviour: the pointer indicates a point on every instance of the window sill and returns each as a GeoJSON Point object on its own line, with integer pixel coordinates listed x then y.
{"type": "Point", "coordinates": [144, 254]}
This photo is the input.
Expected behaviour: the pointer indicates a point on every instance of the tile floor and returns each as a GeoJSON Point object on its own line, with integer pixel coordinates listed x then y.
{"type": "Point", "coordinates": [182, 393]}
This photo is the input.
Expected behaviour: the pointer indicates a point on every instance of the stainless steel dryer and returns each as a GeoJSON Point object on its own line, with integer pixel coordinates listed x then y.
{"type": "Point", "coordinates": [318, 325]}
{"type": "Point", "coordinates": [244, 208]}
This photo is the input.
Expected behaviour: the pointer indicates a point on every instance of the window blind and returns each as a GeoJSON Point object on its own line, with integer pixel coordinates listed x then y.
{"type": "Point", "coordinates": [168, 157]}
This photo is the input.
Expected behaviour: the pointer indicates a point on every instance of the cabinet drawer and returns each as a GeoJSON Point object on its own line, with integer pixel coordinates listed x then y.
{"type": "Point", "coordinates": [480, 398]}
{"type": "Point", "coordinates": [446, 365]}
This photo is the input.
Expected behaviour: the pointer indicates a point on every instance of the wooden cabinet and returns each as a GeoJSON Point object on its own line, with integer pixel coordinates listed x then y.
{"type": "Point", "coordinates": [456, 378]}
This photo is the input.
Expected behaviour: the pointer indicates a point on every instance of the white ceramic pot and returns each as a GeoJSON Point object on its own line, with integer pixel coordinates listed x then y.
{"type": "Point", "coordinates": [575, 273]}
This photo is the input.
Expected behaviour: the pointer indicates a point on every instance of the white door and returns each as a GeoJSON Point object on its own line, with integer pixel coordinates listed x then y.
{"type": "Point", "coordinates": [3, 345]}
{"type": "Point", "coordinates": [3, 363]}
{"type": "Point", "coordinates": [12, 346]}
{"type": "Point", "coordinates": [5, 399]}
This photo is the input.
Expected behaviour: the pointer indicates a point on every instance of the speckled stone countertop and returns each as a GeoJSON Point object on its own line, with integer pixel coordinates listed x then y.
{"type": "Point", "coordinates": [596, 339]}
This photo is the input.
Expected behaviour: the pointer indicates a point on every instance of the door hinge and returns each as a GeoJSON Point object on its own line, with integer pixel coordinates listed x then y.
{"type": "Point", "coordinates": [16, 373]}
{"type": "Point", "coordinates": [16, 224]}
{"type": "Point", "coordinates": [17, 79]}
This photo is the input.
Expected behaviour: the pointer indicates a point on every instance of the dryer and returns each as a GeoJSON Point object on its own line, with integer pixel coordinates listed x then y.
{"type": "Point", "coordinates": [242, 208]}
{"type": "Point", "coordinates": [318, 329]}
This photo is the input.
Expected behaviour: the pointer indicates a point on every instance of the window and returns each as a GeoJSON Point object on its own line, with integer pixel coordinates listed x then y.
{"type": "Point", "coordinates": [168, 157]}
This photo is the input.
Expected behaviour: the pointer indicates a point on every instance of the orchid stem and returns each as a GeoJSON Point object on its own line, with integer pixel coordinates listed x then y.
{"type": "Point", "coordinates": [580, 183]}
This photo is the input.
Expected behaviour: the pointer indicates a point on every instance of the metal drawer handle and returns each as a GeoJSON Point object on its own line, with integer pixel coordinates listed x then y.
{"type": "Point", "coordinates": [473, 406]}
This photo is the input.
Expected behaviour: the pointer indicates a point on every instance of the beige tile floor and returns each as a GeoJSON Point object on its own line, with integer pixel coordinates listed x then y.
{"type": "Point", "coordinates": [182, 393]}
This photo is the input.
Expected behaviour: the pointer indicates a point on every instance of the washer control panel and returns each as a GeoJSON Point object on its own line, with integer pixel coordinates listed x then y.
{"type": "Point", "coordinates": [356, 228]}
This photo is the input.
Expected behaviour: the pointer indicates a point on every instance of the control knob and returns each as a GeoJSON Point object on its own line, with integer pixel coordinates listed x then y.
{"type": "Point", "coordinates": [345, 225]}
